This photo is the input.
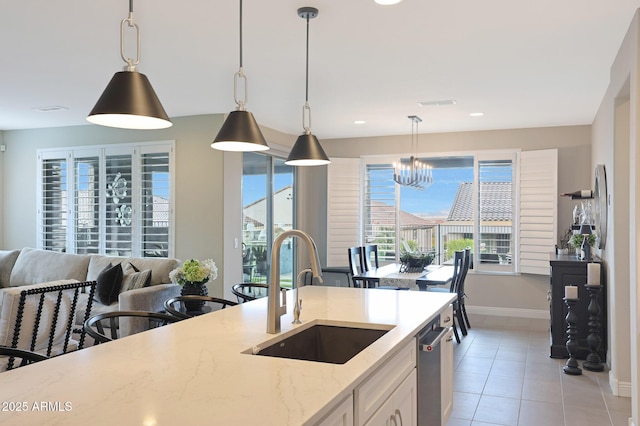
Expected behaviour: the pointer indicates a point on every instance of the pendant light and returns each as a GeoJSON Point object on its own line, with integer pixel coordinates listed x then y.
{"type": "Point", "coordinates": [307, 150]}
{"type": "Point", "coordinates": [413, 173]}
{"type": "Point", "coordinates": [240, 131]}
{"type": "Point", "coordinates": [129, 101]}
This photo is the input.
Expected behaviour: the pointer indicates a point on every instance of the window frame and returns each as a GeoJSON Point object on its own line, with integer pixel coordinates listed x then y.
{"type": "Point", "coordinates": [137, 152]}
{"type": "Point", "coordinates": [478, 156]}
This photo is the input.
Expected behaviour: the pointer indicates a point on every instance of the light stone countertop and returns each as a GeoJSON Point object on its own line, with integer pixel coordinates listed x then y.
{"type": "Point", "coordinates": [194, 371]}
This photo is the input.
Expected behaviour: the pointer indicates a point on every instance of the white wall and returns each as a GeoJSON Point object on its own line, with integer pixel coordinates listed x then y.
{"type": "Point", "coordinates": [615, 144]}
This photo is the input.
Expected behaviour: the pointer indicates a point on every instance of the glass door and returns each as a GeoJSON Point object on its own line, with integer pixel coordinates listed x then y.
{"type": "Point", "coordinates": [267, 200]}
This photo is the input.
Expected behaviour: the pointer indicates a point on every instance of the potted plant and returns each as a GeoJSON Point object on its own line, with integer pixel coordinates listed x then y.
{"type": "Point", "coordinates": [192, 275]}
{"type": "Point", "coordinates": [576, 240]}
{"type": "Point", "coordinates": [415, 261]}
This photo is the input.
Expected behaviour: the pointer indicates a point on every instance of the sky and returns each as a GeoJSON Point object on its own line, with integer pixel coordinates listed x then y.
{"type": "Point", "coordinates": [437, 199]}
{"type": "Point", "coordinates": [433, 201]}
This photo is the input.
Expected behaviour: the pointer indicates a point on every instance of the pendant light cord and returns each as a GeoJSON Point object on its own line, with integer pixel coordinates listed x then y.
{"type": "Point", "coordinates": [306, 98]}
{"type": "Point", "coordinates": [241, 103]}
{"type": "Point", "coordinates": [240, 33]}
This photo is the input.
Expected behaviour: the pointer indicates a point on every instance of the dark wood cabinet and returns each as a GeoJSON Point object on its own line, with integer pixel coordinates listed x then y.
{"type": "Point", "coordinates": [569, 270]}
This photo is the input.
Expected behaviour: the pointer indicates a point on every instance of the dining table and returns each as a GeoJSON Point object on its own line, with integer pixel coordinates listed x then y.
{"type": "Point", "coordinates": [392, 275]}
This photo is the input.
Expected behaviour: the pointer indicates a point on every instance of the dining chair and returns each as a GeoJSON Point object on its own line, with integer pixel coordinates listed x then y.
{"type": "Point", "coordinates": [109, 326]}
{"type": "Point", "coordinates": [185, 307]}
{"type": "Point", "coordinates": [246, 292]}
{"type": "Point", "coordinates": [369, 251]}
{"type": "Point", "coordinates": [356, 265]}
{"type": "Point", "coordinates": [458, 267]}
{"type": "Point", "coordinates": [460, 291]}
{"type": "Point", "coordinates": [8, 357]}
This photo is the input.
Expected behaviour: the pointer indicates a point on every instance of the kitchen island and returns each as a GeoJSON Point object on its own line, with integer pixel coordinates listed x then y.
{"type": "Point", "coordinates": [197, 371]}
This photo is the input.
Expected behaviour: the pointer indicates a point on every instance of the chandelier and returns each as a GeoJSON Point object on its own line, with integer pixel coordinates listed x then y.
{"type": "Point", "coordinates": [413, 172]}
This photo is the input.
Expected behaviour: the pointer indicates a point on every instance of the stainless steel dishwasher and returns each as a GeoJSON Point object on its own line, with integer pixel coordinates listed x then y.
{"type": "Point", "coordinates": [429, 373]}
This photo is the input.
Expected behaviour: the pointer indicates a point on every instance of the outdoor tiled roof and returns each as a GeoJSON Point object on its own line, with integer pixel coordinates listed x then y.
{"type": "Point", "coordinates": [384, 214]}
{"type": "Point", "coordinates": [496, 202]}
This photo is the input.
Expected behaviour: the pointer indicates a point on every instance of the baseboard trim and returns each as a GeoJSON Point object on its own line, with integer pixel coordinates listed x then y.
{"type": "Point", "coordinates": [619, 388]}
{"type": "Point", "coordinates": [508, 312]}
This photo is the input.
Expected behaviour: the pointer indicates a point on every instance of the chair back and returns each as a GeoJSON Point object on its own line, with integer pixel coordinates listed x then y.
{"type": "Point", "coordinates": [185, 307]}
{"type": "Point", "coordinates": [246, 292]}
{"type": "Point", "coordinates": [110, 326]}
{"type": "Point", "coordinates": [458, 265]}
{"type": "Point", "coordinates": [370, 251]}
{"type": "Point", "coordinates": [463, 273]}
{"type": "Point", "coordinates": [356, 264]}
{"type": "Point", "coordinates": [42, 318]}
{"type": "Point", "coordinates": [8, 358]}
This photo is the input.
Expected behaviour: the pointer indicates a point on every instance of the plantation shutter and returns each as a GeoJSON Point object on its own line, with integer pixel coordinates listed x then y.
{"type": "Point", "coordinates": [114, 200]}
{"type": "Point", "coordinates": [52, 205]}
{"type": "Point", "coordinates": [86, 202]}
{"type": "Point", "coordinates": [343, 209]}
{"type": "Point", "coordinates": [538, 209]}
{"type": "Point", "coordinates": [155, 207]}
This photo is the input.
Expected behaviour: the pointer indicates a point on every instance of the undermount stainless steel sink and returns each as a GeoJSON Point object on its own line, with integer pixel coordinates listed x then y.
{"type": "Point", "coordinates": [330, 343]}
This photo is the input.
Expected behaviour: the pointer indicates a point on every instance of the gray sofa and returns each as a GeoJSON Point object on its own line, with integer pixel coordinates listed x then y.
{"type": "Point", "coordinates": [28, 267]}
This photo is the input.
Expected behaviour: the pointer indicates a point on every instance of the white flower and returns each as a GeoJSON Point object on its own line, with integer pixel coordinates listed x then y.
{"type": "Point", "coordinates": [194, 271]}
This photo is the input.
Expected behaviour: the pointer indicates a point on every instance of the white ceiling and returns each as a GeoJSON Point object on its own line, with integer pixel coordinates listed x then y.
{"type": "Point", "coordinates": [521, 63]}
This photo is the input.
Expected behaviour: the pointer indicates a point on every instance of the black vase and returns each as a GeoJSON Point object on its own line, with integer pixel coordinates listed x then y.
{"type": "Point", "coordinates": [194, 289]}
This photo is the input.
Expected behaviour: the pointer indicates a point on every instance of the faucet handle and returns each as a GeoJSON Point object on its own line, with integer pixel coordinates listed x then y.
{"type": "Point", "coordinates": [283, 298]}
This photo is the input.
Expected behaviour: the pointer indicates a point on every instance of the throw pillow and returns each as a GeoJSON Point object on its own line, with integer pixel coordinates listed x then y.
{"type": "Point", "coordinates": [135, 279]}
{"type": "Point", "coordinates": [108, 285]}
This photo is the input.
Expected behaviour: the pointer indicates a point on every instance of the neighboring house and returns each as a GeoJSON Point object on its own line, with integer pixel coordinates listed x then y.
{"type": "Point", "coordinates": [254, 215]}
{"type": "Point", "coordinates": [496, 226]}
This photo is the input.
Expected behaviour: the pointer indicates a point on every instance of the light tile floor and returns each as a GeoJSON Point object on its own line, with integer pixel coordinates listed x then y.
{"type": "Point", "coordinates": [503, 376]}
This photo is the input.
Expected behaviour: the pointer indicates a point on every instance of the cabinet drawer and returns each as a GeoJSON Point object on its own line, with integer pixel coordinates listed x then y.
{"type": "Point", "coordinates": [446, 317]}
{"type": "Point", "coordinates": [371, 394]}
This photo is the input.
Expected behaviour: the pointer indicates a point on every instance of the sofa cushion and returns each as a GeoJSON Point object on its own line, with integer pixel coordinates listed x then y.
{"type": "Point", "coordinates": [159, 266]}
{"type": "Point", "coordinates": [38, 266]}
{"type": "Point", "coordinates": [109, 283]}
{"type": "Point", "coordinates": [135, 278]}
{"type": "Point", "coordinates": [10, 298]}
{"type": "Point", "coordinates": [7, 260]}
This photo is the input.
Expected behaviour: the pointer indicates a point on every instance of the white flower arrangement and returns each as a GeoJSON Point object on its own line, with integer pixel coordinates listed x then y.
{"type": "Point", "coordinates": [194, 272]}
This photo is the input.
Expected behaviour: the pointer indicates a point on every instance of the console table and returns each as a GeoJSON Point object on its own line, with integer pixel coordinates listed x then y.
{"type": "Point", "coordinates": [569, 270]}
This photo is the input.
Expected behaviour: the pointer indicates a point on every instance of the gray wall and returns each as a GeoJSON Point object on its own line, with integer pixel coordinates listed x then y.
{"type": "Point", "coordinates": [502, 294]}
{"type": "Point", "coordinates": [199, 181]}
{"type": "Point", "coordinates": [208, 213]}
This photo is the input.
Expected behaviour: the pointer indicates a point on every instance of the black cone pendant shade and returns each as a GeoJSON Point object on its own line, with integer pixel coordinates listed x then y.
{"type": "Point", "coordinates": [307, 151]}
{"type": "Point", "coordinates": [129, 102]}
{"type": "Point", "coordinates": [240, 132]}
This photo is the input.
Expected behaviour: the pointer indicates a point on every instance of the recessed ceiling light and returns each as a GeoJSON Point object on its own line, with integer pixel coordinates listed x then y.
{"type": "Point", "coordinates": [387, 2]}
{"type": "Point", "coordinates": [437, 103]}
{"type": "Point", "coordinates": [51, 108]}
{"type": "Point", "coordinates": [476, 114]}
{"type": "Point", "coordinates": [359, 122]}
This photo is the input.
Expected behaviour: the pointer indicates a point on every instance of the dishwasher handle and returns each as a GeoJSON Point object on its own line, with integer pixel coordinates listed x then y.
{"type": "Point", "coordinates": [428, 343]}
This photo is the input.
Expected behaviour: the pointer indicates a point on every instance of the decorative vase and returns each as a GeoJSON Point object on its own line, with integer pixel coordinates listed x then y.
{"type": "Point", "coordinates": [194, 289]}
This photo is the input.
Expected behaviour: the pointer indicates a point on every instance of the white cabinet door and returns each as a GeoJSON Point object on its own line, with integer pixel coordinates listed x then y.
{"type": "Point", "coordinates": [342, 415]}
{"type": "Point", "coordinates": [377, 388]}
{"type": "Point", "coordinates": [446, 375]}
{"type": "Point", "coordinates": [400, 408]}
{"type": "Point", "coordinates": [406, 400]}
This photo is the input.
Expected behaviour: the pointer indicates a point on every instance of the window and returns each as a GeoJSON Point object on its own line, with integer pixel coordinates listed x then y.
{"type": "Point", "coordinates": [121, 202]}
{"type": "Point", "coordinates": [495, 212]}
